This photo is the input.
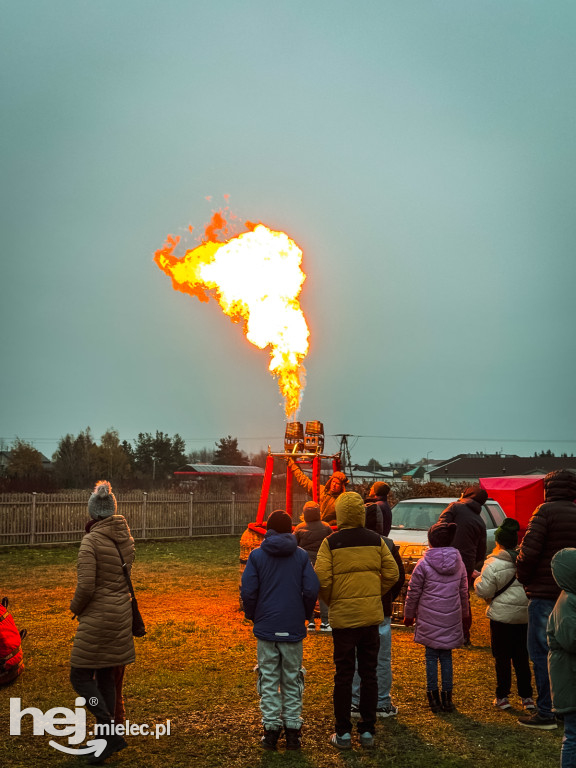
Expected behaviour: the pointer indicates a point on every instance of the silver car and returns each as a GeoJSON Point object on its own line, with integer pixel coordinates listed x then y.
{"type": "Point", "coordinates": [411, 520]}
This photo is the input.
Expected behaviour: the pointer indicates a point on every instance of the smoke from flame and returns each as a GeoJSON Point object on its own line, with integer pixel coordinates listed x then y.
{"type": "Point", "coordinates": [256, 278]}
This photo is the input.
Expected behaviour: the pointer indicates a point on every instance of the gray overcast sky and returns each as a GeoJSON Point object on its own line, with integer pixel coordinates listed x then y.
{"type": "Point", "coordinates": [420, 153]}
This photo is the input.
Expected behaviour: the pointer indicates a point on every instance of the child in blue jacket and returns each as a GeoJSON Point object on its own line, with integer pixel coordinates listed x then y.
{"type": "Point", "coordinates": [279, 591]}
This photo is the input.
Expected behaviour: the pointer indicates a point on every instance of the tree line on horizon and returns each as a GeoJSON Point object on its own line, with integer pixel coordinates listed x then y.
{"type": "Point", "coordinates": [149, 461]}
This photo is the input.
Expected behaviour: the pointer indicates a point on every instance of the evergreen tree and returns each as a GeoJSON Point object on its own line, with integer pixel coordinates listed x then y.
{"type": "Point", "coordinates": [227, 452]}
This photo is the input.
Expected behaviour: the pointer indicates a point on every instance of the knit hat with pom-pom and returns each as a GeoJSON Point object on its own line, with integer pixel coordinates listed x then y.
{"type": "Point", "coordinates": [102, 503]}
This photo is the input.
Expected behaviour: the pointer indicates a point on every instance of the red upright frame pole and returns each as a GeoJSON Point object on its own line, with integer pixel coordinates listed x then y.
{"type": "Point", "coordinates": [265, 489]}
{"type": "Point", "coordinates": [289, 494]}
{"type": "Point", "coordinates": [316, 462]}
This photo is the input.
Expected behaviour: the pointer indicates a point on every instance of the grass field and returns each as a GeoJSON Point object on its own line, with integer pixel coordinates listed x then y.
{"type": "Point", "coordinates": [195, 667]}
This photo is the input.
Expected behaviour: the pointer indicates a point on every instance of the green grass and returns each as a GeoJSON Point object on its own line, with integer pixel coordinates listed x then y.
{"type": "Point", "coordinates": [195, 667]}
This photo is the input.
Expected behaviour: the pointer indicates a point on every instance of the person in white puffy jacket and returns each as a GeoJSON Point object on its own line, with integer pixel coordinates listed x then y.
{"type": "Point", "coordinates": [508, 614]}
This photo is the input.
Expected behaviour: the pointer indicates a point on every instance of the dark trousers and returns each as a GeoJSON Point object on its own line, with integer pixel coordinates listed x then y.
{"type": "Point", "coordinates": [98, 687]}
{"type": "Point", "coordinates": [467, 620]}
{"type": "Point", "coordinates": [350, 645]}
{"type": "Point", "coordinates": [510, 649]}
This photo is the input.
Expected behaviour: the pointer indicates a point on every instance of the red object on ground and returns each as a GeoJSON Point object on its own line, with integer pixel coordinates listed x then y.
{"type": "Point", "coordinates": [517, 495]}
{"type": "Point", "coordinates": [11, 664]}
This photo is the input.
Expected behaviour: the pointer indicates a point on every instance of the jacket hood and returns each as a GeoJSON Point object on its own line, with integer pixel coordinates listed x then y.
{"type": "Point", "coordinates": [114, 527]}
{"type": "Point", "coordinates": [474, 505]}
{"type": "Point", "coordinates": [564, 569]}
{"type": "Point", "coordinates": [350, 510]}
{"type": "Point", "coordinates": [560, 485]}
{"type": "Point", "coordinates": [279, 544]}
{"type": "Point", "coordinates": [444, 560]}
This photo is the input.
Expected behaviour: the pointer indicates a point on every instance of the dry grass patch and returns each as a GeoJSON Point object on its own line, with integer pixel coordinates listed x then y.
{"type": "Point", "coordinates": [195, 665]}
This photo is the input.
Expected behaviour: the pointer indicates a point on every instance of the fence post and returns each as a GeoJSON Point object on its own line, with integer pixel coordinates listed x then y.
{"type": "Point", "coordinates": [233, 520]}
{"type": "Point", "coordinates": [144, 505]}
{"type": "Point", "coordinates": [191, 515]}
{"type": "Point", "coordinates": [33, 520]}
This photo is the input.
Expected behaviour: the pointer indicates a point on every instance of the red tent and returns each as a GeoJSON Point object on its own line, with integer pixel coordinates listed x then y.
{"type": "Point", "coordinates": [517, 495]}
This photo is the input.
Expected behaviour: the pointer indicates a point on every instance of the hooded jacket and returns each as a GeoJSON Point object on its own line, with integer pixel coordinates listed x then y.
{"type": "Point", "coordinates": [551, 528]}
{"type": "Point", "coordinates": [561, 634]}
{"type": "Point", "coordinates": [438, 598]}
{"type": "Point", "coordinates": [511, 606]}
{"type": "Point", "coordinates": [470, 537]}
{"type": "Point", "coordinates": [279, 589]}
{"type": "Point", "coordinates": [326, 499]}
{"type": "Point", "coordinates": [102, 598]}
{"type": "Point", "coordinates": [312, 532]}
{"type": "Point", "coordinates": [378, 509]}
{"type": "Point", "coordinates": [355, 568]}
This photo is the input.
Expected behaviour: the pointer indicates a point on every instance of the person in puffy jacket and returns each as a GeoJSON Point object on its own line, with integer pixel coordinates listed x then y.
{"type": "Point", "coordinates": [551, 528]}
{"type": "Point", "coordinates": [310, 533]}
{"type": "Point", "coordinates": [561, 634]}
{"type": "Point", "coordinates": [279, 590]}
{"type": "Point", "coordinates": [355, 568]}
{"type": "Point", "coordinates": [508, 614]}
{"type": "Point", "coordinates": [335, 485]}
{"type": "Point", "coordinates": [385, 707]}
{"type": "Point", "coordinates": [103, 640]}
{"type": "Point", "coordinates": [378, 499]}
{"type": "Point", "coordinates": [437, 599]}
{"type": "Point", "coordinates": [469, 539]}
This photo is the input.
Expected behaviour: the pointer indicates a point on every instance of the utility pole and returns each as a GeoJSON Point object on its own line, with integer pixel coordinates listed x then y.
{"type": "Point", "coordinates": [345, 460]}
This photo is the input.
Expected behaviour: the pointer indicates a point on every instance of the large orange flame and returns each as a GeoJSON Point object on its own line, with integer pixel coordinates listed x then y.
{"type": "Point", "coordinates": [256, 278]}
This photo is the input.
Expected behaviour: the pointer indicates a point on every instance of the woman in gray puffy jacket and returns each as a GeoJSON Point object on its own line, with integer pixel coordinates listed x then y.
{"type": "Point", "coordinates": [103, 640]}
{"type": "Point", "coordinates": [508, 614]}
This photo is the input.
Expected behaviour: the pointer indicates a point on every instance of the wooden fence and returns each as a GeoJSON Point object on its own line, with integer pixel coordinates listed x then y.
{"type": "Point", "coordinates": [34, 519]}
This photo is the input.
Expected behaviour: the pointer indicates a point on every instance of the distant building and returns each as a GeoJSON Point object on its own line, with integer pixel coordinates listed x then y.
{"type": "Point", "coordinates": [198, 471]}
{"type": "Point", "coordinates": [469, 469]}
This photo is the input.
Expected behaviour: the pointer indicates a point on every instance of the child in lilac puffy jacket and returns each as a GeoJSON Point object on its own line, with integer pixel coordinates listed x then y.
{"type": "Point", "coordinates": [438, 599]}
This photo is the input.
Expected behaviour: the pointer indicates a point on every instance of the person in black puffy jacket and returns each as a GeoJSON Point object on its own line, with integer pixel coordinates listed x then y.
{"type": "Point", "coordinates": [551, 528]}
{"type": "Point", "coordinates": [470, 538]}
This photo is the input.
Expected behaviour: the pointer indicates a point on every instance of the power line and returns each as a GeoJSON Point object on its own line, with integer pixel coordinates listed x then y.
{"type": "Point", "coordinates": [356, 437]}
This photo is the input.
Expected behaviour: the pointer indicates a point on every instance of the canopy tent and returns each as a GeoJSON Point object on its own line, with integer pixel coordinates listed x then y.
{"type": "Point", "coordinates": [517, 495]}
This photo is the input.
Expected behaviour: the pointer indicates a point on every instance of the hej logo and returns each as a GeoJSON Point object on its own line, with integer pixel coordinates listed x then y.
{"type": "Point", "coordinates": [61, 721]}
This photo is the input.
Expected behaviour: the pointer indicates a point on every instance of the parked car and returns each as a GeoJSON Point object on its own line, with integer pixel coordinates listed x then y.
{"type": "Point", "coordinates": [411, 520]}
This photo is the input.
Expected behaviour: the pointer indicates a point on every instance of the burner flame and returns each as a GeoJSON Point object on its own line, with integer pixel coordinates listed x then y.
{"type": "Point", "coordinates": [256, 278]}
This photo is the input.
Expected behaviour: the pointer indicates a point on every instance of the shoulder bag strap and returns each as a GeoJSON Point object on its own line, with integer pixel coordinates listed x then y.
{"type": "Point", "coordinates": [124, 566]}
{"type": "Point", "coordinates": [505, 587]}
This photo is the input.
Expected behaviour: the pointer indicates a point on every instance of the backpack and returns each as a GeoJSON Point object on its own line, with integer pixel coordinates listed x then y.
{"type": "Point", "coordinates": [11, 656]}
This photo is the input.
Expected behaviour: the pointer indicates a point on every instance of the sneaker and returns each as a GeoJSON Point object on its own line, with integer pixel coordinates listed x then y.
{"type": "Point", "coordinates": [501, 703]}
{"type": "Point", "coordinates": [311, 626]}
{"type": "Point", "coordinates": [325, 628]}
{"type": "Point", "coordinates": [341, 742]}
{"type": "Point", "coordinates": [388, 711]}
{"type": "Point", "coordinates": [354, 711]}
{"type": "Point", "coordinates": [537, 721]}
{"type": "Point", "coordinates": [367, 740]}
{"type": "Point", "coordinates": [528, 703]}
